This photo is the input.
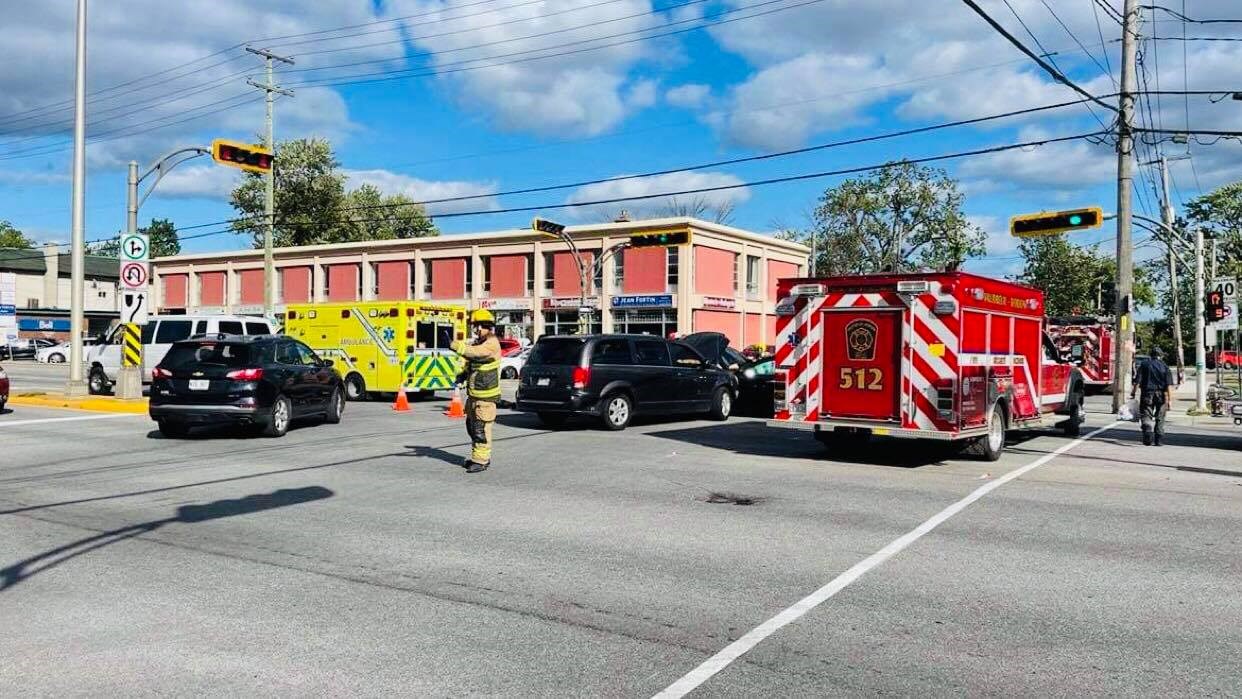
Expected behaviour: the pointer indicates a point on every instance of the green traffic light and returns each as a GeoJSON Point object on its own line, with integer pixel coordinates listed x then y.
{"type": "Point", "coordinates": [1075, 220]}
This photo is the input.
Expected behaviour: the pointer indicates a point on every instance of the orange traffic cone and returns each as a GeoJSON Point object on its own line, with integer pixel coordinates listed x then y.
{"type": "Point", "coordinates": [456, 408]}
{"type": "Point", "coordinates": [402, 404]}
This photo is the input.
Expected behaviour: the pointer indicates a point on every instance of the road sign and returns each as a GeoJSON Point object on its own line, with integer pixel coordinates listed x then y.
{"type": "Point", "coordinates": [1228, 289]}
{"type": "Point", "coordinates": [135, 274]}
{"type": "Point", "coordinates": [131, 348]}
{"type": "Point", "coordinates": [135, 246]}
{"type": "Point", "coordinates": [134, 308]}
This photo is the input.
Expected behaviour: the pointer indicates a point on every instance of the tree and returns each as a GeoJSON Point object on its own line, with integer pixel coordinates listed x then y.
{"type": "Point", "coordinates": [902, 216]}
{"type": "Point", "coordinates": [10, 237]}
{"type": "Point", "coordinates": [1076, 280]}
{"type": "Point", "coordinates": [699, 207]}
{"type": "Point", "coordinates": [313, 207]}
{"type": "Point", "coordinates": [1220, 212]}
{"type": "Point", "coordinates": [164, 241]}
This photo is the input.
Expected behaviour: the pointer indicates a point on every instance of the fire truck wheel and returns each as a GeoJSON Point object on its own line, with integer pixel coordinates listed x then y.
{"type": "Point", "coordinates": [1073, 422]}
{"type": "Point", "coordinates": [991, 445]}
{"type": "Point", "coordinates": [355, 387]}
{"type": "Point", "coordinates": [722, 404]}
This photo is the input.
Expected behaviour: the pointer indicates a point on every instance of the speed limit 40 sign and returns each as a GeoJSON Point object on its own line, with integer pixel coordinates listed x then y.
{"type": "Point", "coordinates": [1227, 287]}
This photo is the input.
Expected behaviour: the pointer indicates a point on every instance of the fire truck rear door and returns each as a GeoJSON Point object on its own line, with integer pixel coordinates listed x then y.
{"type": "Point", "coordinates": [862, 363]}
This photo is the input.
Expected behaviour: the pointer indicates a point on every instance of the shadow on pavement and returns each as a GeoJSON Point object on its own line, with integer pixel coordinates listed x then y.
{"type": "Point", "coordinates": [447, 457]}
{"type": "Point", "coordinates": [186, 514]}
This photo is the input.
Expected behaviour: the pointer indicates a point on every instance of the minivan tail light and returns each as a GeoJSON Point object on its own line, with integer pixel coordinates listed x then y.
{"type": "Point", "coordinates": [582, 376]}
{"type": "Point", "coordinates": [245, 374]}
{"type": "Point", "coordinates": [160, 373]}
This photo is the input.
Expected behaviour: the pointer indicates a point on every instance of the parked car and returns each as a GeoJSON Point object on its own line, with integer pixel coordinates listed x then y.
{"type": "Point", "coordinates": [4, 389]}
{"type": "Point", "coordinates": [24, 348]}
{"type": "Point", "coordinates": [511, 365]}
{"type": "Point", "coordinates": [1228, 359]}
{"type": "Point", "coordinates": [752, 375]}
{"type": "Point", "coordinates": [59, 353]}
{"type": "Point", "coordinates": [266, 381]}
{"type": "Point", "coordinates": [158, 335]}
{"type": "Point", "coordinates": [615, 377]}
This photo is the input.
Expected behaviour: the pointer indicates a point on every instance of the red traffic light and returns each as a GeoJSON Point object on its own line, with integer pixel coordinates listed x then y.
{"type": "Point", "coordinates": [248, 157]}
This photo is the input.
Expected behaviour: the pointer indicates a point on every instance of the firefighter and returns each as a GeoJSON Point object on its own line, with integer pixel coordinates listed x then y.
{"type": "Point", "coordinates": [1154, 381]}
{"type": "Point", "coordinates": [482, 376]}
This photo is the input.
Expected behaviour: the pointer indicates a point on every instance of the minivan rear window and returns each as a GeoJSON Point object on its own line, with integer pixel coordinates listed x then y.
{"type": "Point", "coordinates": [556, 352]}
{"type": "Point", "coordinates": [185, 355]}
{"type": "Point", "coordinates": [611, 352]}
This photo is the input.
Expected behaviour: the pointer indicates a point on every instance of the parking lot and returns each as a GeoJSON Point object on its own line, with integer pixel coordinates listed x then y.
{"type": "Point", "coordinates": [360, 559]}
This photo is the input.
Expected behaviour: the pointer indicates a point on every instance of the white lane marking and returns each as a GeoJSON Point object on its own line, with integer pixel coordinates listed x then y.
{"type": "Point", "coordinates": [105, 416]}
{"type": "Point", "coordinates": [735, 650]}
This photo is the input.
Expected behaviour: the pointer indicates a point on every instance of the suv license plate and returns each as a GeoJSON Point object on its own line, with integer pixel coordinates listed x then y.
{"type": "Point", "coordinates": [543, 382]}
{"type": "Point", "coordinates": [199, 384]}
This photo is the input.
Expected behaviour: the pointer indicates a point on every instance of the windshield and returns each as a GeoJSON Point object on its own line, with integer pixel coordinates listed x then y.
{"type": "Point", "coordinates": [184, 356]}
{"type": "Point", "coordinates": [556, 352]}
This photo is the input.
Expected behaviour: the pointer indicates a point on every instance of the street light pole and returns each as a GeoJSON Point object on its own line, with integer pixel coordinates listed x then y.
{"type": "Point", "coordinates": [1200, 354]}
{"type": "Point", "coordinates": [77, 314]}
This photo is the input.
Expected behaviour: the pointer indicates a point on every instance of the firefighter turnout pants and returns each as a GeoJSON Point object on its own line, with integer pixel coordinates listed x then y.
{"type": "Point", "coordinates": [480, 414]}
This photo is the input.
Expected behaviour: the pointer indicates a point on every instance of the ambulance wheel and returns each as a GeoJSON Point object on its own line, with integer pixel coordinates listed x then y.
{"type": "Point", "coordinates": [990, 446]}
{"type": "Point", "coordinates": [355, 387]}
{"type": "Point", "coordinates": [1072, 427]}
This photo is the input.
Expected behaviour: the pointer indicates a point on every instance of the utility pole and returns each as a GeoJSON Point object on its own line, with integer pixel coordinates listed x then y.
{"type": "Point", "coordinates": [1166, 212]}
{"type": "Point", "coordinates": [1124, 347]}
{"type": "Point", "coordinates": [77, 313]}
{"type": "Point", "coordinates": [269, 264]}
{"type": "Point", "coordinates": [1200, 354]}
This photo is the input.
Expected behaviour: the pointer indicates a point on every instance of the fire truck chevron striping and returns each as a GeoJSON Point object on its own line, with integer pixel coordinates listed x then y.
{"type": "Point", "coordinates": [935, 356]}
{"type": "Point", "coordinates": [1089, 343]}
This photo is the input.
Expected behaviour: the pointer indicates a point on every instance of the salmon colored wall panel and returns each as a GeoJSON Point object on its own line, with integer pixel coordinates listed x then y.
{"type": "Point", "coordinates": [646, 271]}
{"type": "Point", "coordinates": [343, 282]}
{"type": "Point", "coordinates": [755, 334]}
{"type": "Point", "coordinates": [448, 278]}
{"type": "Point", "coordinates": [728, 323]}
{"type": "Point", "coordinates": [251, 282]}
{"type": "Point", "coordinates": [777, 271]}
{"type": "Point", "coordinates": [211, 288]}
{"type": "Point", "coordinates": [176, 288]}
{"type": "Point", "coordinates": [565, 278]}
{"type": "Point", "coordinates": [713, 271]}
{"type": "Point", "coordinates": [393, 280]}
{"type": "Point", "coordinates": [508, 275]}
{"type": "Point", "coordinates": [296, 284]}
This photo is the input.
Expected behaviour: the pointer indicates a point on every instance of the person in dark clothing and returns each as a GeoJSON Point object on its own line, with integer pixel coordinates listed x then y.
{"type": "Point", "coordinates": [1154, 382]}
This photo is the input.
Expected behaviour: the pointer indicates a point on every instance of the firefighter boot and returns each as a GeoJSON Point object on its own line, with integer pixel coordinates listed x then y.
{"type": "Point", "coordinates": [476, 467]}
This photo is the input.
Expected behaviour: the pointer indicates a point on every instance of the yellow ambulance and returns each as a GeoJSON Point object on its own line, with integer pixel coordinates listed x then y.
{"type": "Point", "coordinates": [381, 346]}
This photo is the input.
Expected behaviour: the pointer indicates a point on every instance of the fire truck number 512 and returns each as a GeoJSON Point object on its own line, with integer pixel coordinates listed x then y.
{"type": "Point", "coordinates": [857, 378]}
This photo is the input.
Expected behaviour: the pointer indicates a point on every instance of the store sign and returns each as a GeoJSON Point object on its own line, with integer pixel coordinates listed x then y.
{"type": "Point", "coordinates": [643, 301]}
{"type": "Point", "coordinates": [507, 304]}
{"type": "Point", "coordinates": [569, 303]}
{"type": "Point", "coordinates": [8, 306]}
{"type": "Point", "coordinates": [43, 324]}
{"type": "Point", "coordinates": [721, 302]}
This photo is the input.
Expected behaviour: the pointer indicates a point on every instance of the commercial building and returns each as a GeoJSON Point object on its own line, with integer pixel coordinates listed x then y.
{"type": "Point", "coordinates": [724, 279]}
{"type": "Point", "coordinates": [35, 289]}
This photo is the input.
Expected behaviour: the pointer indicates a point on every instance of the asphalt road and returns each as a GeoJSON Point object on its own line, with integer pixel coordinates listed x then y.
{"type": "Point", "coordinates": [360, 559]}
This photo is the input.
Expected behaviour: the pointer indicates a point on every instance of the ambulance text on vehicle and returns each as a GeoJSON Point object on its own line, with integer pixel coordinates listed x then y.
{"type": "Point", "coordinates": [383, 346]}
{"type": "Point", "coordinates": [945, 356]}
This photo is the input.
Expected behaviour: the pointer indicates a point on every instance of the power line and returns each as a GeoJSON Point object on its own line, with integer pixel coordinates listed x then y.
{"type": "Point", "coordinates": [1184, 18]}
{"type": "Point", "coordinates": [1107, 71]}
{"type": "Point", "coordinates": [1110, 11]}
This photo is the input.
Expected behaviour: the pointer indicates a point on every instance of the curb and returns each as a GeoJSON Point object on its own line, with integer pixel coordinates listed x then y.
{"type": "Point", "coordinates": [94, 403]}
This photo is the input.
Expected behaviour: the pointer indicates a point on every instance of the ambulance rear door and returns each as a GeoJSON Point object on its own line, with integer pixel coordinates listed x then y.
{"type": "Point", "coordinates": [862, 364]}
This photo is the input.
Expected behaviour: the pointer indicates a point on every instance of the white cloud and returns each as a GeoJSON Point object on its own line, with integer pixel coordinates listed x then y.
{"type": "Point", "coordinates": [199, 182]}
{"type": "Point", "coordinates": [673, 182]}
{"type": "Point", "coordinates": [1055, 166]}
{"type": "Point", "coordinates": [425, 190]}
{"type": "Point", "coordinates": [688, 96]}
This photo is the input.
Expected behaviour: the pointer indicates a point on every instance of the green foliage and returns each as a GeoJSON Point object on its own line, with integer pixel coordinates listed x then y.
{"type": "Point", "coordinates": [164, 241]}
{"type": "Point", "coordinates": [312, 206]}
{"type": "Point", "coordinates": [1220, 212]}
{"type": "Point", "coordinates": [10, 237]}
{"type": "Point", "coordinates": [1076, 279]}
{"type": "Point", "coordinates": [900, 217]}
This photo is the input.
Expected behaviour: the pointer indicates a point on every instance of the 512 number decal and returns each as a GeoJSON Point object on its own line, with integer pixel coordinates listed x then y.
{"type": "Point", "coordinates": [858, 379]}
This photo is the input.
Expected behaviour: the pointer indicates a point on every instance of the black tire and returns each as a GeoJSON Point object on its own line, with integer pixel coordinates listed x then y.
{"type": "Point", "coordinates": [722, 404]}
{"type": "Point", "coordinates": [172, 429]}
{"type": "Point", "coordinates": [616, 411]}
{"type": "Point", "coordinates": [97, 382]}
{"type": "Point", "coordinates": [335, 408]}
{"type": "Point", "coordinates": [56, 358]}
{"type": "Point", "coordinates": [990, 446]}
{"type": "Point", "coordinates": [508, 373]}
{"type": "Point", "coordinates": [1072, 427]}
{"type": "Point", "coordinates": [355, 388]}
{"type": "Point", "coordinates": [553, 419]}
{"type": "Point", "coordinates": [278, 421]}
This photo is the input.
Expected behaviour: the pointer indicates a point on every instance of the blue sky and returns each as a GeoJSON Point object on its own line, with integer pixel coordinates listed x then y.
{"type": "Point", "coordinates": [489, 108]}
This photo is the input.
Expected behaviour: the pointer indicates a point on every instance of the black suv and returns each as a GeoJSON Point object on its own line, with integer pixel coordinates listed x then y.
{"type": "Point", "coordinates": [613, 377]}
{"type": "Point", "coordinates": [262, 380]}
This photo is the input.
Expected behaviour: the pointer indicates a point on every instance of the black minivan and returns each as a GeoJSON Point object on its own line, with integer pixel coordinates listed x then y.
{"type": "Point", "coordinates": [614, 377]}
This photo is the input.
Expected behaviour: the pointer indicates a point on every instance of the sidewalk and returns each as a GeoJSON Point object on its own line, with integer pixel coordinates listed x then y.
{"type": "Point", "coordinates": [1184, 402]}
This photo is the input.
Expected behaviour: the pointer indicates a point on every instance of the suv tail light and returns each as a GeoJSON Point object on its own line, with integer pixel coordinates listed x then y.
{"type": "Point", "coordinates": [582, 376]}
{"type": "Point", "coordinates": [160, 373]}
{"type": "Point", "coordinates": [245, 374]}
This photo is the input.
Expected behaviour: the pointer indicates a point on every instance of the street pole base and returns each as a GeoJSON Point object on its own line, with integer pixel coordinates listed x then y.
{"type": "Point", "coordinates": [129, 383]}
{"type": "Point", "coordinates": [76, 389]}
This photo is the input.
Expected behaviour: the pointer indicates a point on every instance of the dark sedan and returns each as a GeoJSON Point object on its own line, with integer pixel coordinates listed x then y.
{"type": "Point", "coordinates": [752, 376]}
{"type": "Point", "coordinates": [267, 381]}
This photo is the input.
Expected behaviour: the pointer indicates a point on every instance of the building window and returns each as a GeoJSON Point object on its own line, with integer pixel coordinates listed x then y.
{"type": "Point", "coordinates": [597, 281]}
{"type": "Point", "coordinates": [413, 281]}
{"type": "Point", "coordinates": [374, 280]}
{"type": "Point", "coordinates": [736, 274]}
{"type": "Point", "coordinates": [673, 257]}
{"type": "Point", "coordinates": [659, 322]}
{"type": "Point", "coordinates": [327, 282]}
{"type": "Point", "coordinates": [549, 271]}
{"type": "Point", "coordinates": [469, 276]}
{"type": "Point", "coordinates": [566, 323]}
{"type": "Point", "coordinates": [426, 278]}
{"type": "Point", "coordinates": [530, 274]}
{"type": "Point", "coordinates": [618, 271]}
{"type": "Point", "coordinates": [752, 277]}
{"type": "Point", "coordinates": [487, 278]}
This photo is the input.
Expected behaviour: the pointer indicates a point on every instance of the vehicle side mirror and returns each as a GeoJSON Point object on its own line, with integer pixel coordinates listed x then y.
{"type": "Point", "coordinates": [734, 366]}
{"type": "Point", "coordinates": [326, 363]}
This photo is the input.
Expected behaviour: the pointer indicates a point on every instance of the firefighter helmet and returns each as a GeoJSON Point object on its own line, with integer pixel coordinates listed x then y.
{"type": "Point", "coordinates": [483, 315]}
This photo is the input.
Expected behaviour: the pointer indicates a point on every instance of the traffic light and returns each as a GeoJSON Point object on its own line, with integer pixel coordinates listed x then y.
{"type": "Point", "coordinates": [660, 239]}
{"type": "Point", "coordinates": [1054, 222]}
{"type": "Point", "coordinates": [1214, 306]}
{"type": "Point", "coordinates": [542, 225]}
{"type": "Point", "coordinates": [246, 156]}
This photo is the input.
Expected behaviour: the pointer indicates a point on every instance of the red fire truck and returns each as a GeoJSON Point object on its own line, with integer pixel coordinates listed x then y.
{"type": "Point", "coordinates": [944, 356]}
{"type": "Point", "coordinates": [1088, 342]}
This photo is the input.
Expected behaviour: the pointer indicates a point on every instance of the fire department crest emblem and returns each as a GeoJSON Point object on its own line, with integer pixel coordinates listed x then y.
{"type": "Point", "coordinates": [860, 340]}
